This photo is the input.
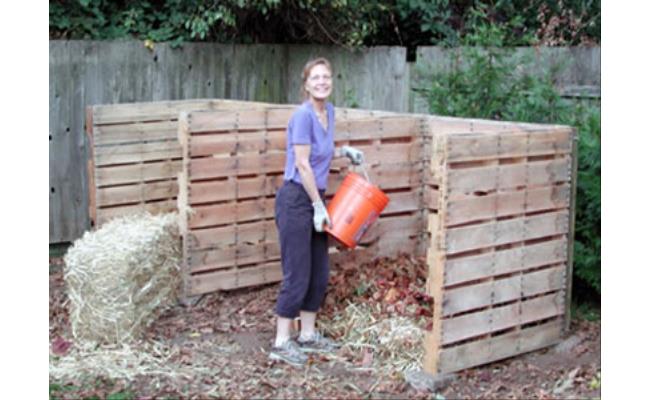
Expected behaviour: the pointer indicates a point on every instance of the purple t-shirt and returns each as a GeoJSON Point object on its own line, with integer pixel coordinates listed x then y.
{"type": "Point", "coordinates": [305, 128]}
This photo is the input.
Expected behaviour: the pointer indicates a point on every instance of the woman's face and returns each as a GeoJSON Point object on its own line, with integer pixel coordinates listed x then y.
{"type": "Point", "coordinates": [319, 82]}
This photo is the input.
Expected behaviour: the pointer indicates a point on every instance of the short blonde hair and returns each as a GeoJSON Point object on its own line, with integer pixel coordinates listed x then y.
{"type": "Point", "coordinates": [307, 70]}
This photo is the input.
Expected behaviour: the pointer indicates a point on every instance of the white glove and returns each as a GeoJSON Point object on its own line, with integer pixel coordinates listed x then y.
{"type": "Point", "coordinates": [321, 217]}
{"type": "Point", "coordinates": [355, 155]}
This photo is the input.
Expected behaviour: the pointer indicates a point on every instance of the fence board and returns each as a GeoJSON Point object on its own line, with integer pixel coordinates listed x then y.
{"type": "Point", "coordinates": [121, 73]}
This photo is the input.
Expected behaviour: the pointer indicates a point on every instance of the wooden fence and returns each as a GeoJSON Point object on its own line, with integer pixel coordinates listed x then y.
{"type": "Point", "coordinates": [84, 73]}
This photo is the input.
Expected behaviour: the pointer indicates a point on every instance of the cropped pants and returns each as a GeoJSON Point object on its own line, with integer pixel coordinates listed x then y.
{"type": "Point", "coordinates": [304, 252]}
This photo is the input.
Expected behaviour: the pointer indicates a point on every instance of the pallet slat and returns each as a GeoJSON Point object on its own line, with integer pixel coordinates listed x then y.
{"type": "Point", "coordinates": [157, 207]}
{"type": "Point", "coordinates": [504, 261]}
{"type": "Point", "coordinates": [499, 318]}
{"type": "Point", "coordinates": [136, 153]}
{"type": "Point", "coordinates": [242, 254]}
{"type": "Point", "coordinates": [507, 231]}
{"type": "Point", "coordinates": [496, 348]}
{"type": "Point", "coordinates": [228, 213]}
{"type": "Point", "coordinates": [212, 191]}
{"type": "Point", "coordinates": [236, 278]}
{"type": "Point", "coordinates": [372, 129]}
{"type": "Point", "coordinates": [227, 235]}
{"type": "Point", "coordinates": [137, 173]}
{"type": "Point", "coordinates": [140, 192]}
{"type": "Point", "coordinates": [406, 225]}
{"type": "Point", "coordinates": [163, 110]}
{"type": "Point", "coordinates": [238, 142]}
{"type": "Point", "coordinates": [133, 133]}
{"type": "Point", "coordinates": [490, 178]}
{"type": "Point", "coordinates": [502, 290]}
{"type": "Point", "coordinates": [242, 119]}
{"type": "Point", "coordinates": [403, 202]}
{"type": "Point", "coordinates": [507, 203]}
{"type": "Point", "coordinates": [249, 164]}
{"type": "Point", "coordinates": [480, 146]}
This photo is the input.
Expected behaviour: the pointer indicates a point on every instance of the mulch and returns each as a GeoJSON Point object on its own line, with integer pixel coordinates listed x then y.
{"type": "Point", "coordinates": [243, 320]}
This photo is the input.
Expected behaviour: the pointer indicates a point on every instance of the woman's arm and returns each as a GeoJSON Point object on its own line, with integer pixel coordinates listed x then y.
{"type": "Point", "coordinates": [302, 152]}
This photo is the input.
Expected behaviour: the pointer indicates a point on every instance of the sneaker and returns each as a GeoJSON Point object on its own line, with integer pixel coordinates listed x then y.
{"type": "Point", "coordinates": [289, 353]}
{"type": "Point", "coordinates": [318, 344]}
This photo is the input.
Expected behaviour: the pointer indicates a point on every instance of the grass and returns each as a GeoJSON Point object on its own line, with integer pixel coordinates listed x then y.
{"type": "Point", "coordinates": [583, 310]}
{"type": "Point", "coordinates": [91, 385]}
{"type": "Point", "coordinates": [57, 389]}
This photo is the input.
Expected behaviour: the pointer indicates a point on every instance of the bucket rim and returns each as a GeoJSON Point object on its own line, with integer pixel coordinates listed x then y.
{"type": "Point", "coordinates": [355, 179]}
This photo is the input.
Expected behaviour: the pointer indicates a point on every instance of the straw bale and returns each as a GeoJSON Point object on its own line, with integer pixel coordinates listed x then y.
{"type": "Point", "coordinates": [120, 277]}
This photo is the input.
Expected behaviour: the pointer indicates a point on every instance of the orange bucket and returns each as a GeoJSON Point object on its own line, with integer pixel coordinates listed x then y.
{"type": "Point", "coordinates": [355, 206]}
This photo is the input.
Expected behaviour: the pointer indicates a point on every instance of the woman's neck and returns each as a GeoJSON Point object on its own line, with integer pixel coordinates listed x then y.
{"type": "Point", "coordinates": [318, 105]}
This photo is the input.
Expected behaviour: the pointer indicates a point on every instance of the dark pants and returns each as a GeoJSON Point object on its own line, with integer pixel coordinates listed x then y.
{"type": "Point", "coordinates": [304, 252]}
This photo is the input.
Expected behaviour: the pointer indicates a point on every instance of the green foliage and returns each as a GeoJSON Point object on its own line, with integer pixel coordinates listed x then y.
{"type": "Point", "coordinates": [126, 395]}
{"type": "Point", "coordinates": [350, 99]}
{"type": "Point", "coordinates": [59, 390]}
{"type": "Point", "coordinates": [489, 85]}
{"type": "Point", "coordinates": [347, 23]}
{"type": "Point", "coordinates": [585, 310]}
{"type": "Point", "coordinates": [595, 382]}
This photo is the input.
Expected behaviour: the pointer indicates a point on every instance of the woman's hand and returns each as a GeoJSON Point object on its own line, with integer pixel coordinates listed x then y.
{"type": "Point", "coordinates": [321, 217]}
{"type": "Point", "coordinates": [355, 155]}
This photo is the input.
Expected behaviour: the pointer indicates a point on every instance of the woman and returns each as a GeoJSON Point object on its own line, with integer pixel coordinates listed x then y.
{"type": "Point", "coordinates": [301, 216]}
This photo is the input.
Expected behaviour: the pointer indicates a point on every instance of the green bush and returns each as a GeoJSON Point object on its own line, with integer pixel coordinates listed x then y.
{"type": "Point", "coordinates": [351, 23]}
{"type": "Point", "coordinates": [488, 85]}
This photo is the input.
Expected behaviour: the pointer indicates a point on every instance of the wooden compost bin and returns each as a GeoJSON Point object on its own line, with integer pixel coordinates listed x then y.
{"type": "Point", "coordinates": [501, 240]}
{"type": "Point", "coordinates": [233, 164]}
{"type": "Point", "coordinates": [490, 204]}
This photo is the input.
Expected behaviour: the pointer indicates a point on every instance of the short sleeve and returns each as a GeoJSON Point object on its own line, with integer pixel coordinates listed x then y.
{"type": "Point", "coordinates": [302, 127]}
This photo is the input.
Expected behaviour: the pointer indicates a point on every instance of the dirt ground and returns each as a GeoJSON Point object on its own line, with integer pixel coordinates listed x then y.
{"type": "Point", "coordinates": [231, 333]}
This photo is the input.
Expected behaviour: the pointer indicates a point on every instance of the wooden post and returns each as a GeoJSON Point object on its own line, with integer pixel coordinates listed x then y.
{"type": "Point", "coordinates": [572, 222]}
{"type": "Point", "coordinates": [436, 258]}
{"type": "Point", "coordinates": [92, 194]}
{"type": "Point", "coordinates": [183, 205]}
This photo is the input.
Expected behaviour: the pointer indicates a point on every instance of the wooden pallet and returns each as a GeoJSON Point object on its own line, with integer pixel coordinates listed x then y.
{"type": "Point", "coordinates": [135, 155]}
{"type": "Point", "coordinates": [499, 268]}
{"type": "Point", "coordinates": [233, 164]}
